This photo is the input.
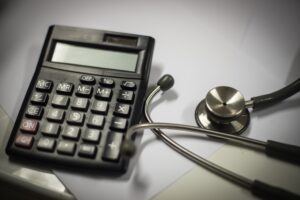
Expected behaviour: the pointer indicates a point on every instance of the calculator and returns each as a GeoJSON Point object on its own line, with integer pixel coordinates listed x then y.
{"type": "Point", "coordinates": [88, 88]}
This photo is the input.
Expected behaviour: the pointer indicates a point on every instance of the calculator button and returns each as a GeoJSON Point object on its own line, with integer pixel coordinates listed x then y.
{"type": "Point", "coordinates": [126, 96]}
{"type": "Point", "coordinates": [100, 107]}
{"type": "Point", "coordinates": [80, 104]}
{"type": "Point", "coordinates": [128, 85]}
{"type": "Point", "coordinates": [71, 132]}
{"type": "Point", "coordinates": [34, 112]}
{"type": "Point", "coordinates": [44, 85]}
{"type": "Point", "coordinates": [84, 90]}
{"type": "Point", "coordinates": [76, 118]}
{"type": "Point", "coordinates": [87, 79]}
{"type": "Point", "coordinates": [91, 135]}
{"type": "Point", "coordinates": [46, 144]}
{"type": "Point", "coordinates": [86, 150]}
{"type": "Point", "coordinates": [56, 115]}
{"type": "Point", "coordinates": [29, 126]}
{"type": "Point", "coordinates": [65, 88]}
{"type": "Point", "coordinates": [96, 121]}
{"type": "Point", "coordinates": [107, 82]}
{"type": "Point", "coordinates": [122, 110]}
{"type": "Point", "coordinates": [60, 101]}
{"type": "Point", "coordinates": [50, 129]}
{"type": "Point", "coordinates": [39, 98]}
{"type": "Point", "coordinates": [112, 147]}
{"type": "Point", "coordinates": [118, 123]}
{"type": "Point", "coordinates": [25, 141]}
{"type": "Point", "coordinates": [103, 93]}
{"type": "Point", "coordinates": [66, 147]}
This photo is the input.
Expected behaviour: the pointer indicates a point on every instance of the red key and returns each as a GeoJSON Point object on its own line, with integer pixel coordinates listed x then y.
{"type": "Point", "coordinates": [24, 141]}
{"type": "Point", "coordinates": [30, 126]}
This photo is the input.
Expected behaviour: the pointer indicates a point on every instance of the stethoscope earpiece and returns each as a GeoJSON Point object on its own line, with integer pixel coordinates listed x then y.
{"type": "Point", "coordinates": [224, 109]}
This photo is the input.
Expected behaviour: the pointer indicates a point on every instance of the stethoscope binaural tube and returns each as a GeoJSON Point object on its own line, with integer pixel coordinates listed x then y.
{"type": "Point", "coordinates": [224, 109]}
{"type": "Point", "coordinates": [258, 188]}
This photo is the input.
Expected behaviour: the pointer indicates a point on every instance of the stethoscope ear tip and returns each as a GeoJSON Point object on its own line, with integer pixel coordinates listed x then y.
{"type": "Point", "coordinates": [166, 82]}
{"type": "Point", "coordinates": [128, 148]}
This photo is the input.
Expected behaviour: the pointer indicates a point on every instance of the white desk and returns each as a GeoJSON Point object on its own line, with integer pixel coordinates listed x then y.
{"type": "Point", "coordinates": [251, 45]}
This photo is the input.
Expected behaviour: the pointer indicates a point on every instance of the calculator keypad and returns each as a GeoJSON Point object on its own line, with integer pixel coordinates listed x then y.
{"type": "Point", "coordinates": [84, 119]}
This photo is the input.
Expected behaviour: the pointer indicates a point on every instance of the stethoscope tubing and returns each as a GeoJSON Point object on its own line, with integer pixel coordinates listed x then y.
{"type": "Point", "coordinates": [258, 188]}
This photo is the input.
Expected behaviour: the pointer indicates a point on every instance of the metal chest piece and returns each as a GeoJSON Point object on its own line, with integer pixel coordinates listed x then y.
{"type": "Point", "coordinates": [223, 110]}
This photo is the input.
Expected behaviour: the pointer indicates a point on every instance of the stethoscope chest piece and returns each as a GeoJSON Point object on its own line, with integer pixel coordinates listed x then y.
{"type": "Point", "coordinates": [223, 110]}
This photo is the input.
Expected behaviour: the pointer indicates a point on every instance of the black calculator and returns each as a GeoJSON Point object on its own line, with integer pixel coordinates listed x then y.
{"type": "Point", "coordinates": [88, 88]}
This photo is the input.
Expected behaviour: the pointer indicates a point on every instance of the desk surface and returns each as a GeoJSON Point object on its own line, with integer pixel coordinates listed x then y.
{"type": "Point", "coordinates": [251, 45]}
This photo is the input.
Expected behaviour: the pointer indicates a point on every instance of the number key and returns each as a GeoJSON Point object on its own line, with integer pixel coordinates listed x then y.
{"type": "Point", "coordinates": [50, 129]}
{"type": "Point", "coordinates": [56, 115]}
{"type": "Point", "coordinates": [96, 121]}
{"type": "Point", "coordinates": [46, 144]}
{"type": "Point", "coordinates": [100, 107]}
{"type": "Point", "coordinates": [76, 118]}
{"type": "Point", "coordinates": [71, 132]}
{"type": "Point", "coordinates": [80, 104]}
{"type": "Point", "coordinates": [39, 98]}
{"type": "Point", "coordinates": [60, 101]}
{"type": "Point", "coordinates": [91, 135]}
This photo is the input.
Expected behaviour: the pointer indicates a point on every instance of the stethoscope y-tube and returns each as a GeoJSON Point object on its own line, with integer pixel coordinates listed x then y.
{"type": "Point", "coordinates": [272, 148]}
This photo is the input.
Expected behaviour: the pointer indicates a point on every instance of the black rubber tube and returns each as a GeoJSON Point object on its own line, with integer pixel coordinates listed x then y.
{"type": "Point", "coordinates": [284, 151]}
{"type": "Point", "coordinates": [267, 191]}
{"type": "Point", "coordinates": [277, 96]}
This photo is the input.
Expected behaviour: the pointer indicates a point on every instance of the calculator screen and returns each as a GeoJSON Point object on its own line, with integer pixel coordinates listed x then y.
{"type": "Point", "coordinates": [100, 58]}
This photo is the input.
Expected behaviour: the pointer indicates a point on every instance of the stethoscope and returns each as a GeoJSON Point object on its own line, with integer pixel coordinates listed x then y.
{"type": "Point", "coordinates": [222, 114]}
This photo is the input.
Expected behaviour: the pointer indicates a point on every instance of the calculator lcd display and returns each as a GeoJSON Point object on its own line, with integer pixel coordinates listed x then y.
{"type": "Point", "coordinates": [100, 58]}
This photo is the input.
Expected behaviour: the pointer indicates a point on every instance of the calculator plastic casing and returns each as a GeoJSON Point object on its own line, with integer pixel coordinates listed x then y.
{"type": "Point", "coordinates": [71, 73]}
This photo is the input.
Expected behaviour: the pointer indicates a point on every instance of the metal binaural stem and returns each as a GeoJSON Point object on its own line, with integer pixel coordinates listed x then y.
{"type": "Point", "coordinates": [236, 178]}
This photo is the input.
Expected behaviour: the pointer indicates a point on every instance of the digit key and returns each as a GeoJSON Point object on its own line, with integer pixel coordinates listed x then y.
{"type": "Point", "coordinates": [56, 115]}
{"type": "Point", "coordinates": [39, 98]}
{"type": "Point", "coordinates": [91, 135]}
{"type": "Point", "coordinates": [76, 118]}
{"type": "Point", "coordinates": [46, 144]}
